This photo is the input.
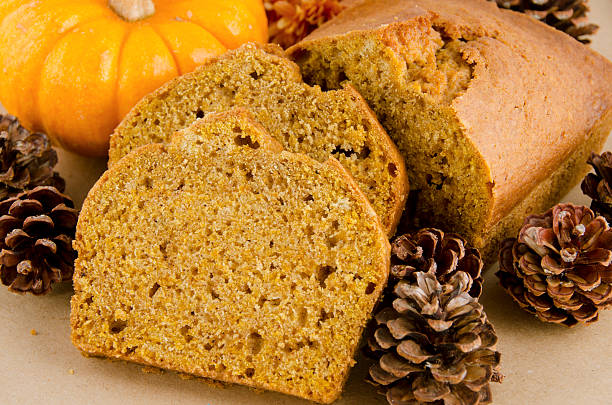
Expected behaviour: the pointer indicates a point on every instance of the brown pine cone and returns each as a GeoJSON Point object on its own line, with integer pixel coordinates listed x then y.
{"type": "Point", "coordinates": [430, 250]}
{"type": "Point", "coordinates": [27, 159]}
{"type": "Point", "coordinates": [598, 185]}
{"type": "Point", "coordinates": [559, 267]}
{"type": "Point", "coordinates": [568, 16]}
{"type": "Point", "coordinates": [434, 344]}
{"type": "Point", "coordinates": [36, 232]}
{"type": "Point", "coordinates": [431, 338]}
{"type": "Point", "coordinates": [290, 21]}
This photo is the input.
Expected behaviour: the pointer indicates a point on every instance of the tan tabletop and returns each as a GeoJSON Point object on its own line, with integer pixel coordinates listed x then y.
{"type": "Point", "coordinates": [543, 364]}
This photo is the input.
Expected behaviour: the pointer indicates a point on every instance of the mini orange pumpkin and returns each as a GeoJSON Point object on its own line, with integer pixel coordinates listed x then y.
{"type": "Point", "coordinates": [74, 68]}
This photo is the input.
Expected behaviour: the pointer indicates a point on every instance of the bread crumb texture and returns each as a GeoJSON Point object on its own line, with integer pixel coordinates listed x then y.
{"type": "Point", "coordinates": [223, 256]}
{"type": "Point", "coordinates": [472, 97]}
{"type": "Point", "coordinates": [302, 118]}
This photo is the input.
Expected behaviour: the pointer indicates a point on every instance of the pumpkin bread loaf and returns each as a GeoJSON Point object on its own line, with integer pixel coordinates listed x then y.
{"type": "Point", "coordinates": [302, 118]}
{"type": "Point", "coordinates": [494, 112]}
{"type": "Point", "coordinates": [221, 255]}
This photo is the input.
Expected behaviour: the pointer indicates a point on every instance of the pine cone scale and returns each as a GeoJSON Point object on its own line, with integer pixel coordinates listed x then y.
{"type": "Point", "coordinates": [379, 375]}
{"type": "Point", "coordinates": [400, 327]}
{"type": "Point", "coordinates": [384, 338]}
{"type": "Point", "coordinates": [16, 239]}
{"type": "Point", "coordinates": [468, 342]}
{"type": "Point", "coordinates": [9, 258]}
{"type": "Point", "coordinates": [562, 291]}
{"type": "Point", "coordinates": [396, 366]}
{"type": "Point", "coordinates": [45, 247]}
{"type": "Point", "coordinates": [585, 313]}
{"type": "Point", "coordinates": [8, 223]}
{"type": "Point", "coordinates": [564, 15]}
{"type": "Point", "coordinates": [453, 374]}
{"type": "Point", "coordinates": [584, 279]}
{"type": "Point", "coordinates": [535, 284]}
{"type": "Point", "coordinates": [7, 175]}
{"type": "Point", "coordinates": [530, 264]}
{"type": "Point", "coordinates": [411, 350]}
{"type": "Point", "coordinates": [23, 285]}
{"type": "Point", "coordinates": [64, 215]}
{"type": "Point", "coordinates": [596, 256]}
{"type": "Point", "coordinates": [477, 377]}
{"type": "Point", "coordinates": [25, 267]}
{"type": "Point", "coordinates": [600, 295]}
{"type": "Point", "coordinates": [25, 208]}
{"type": "Point", "coordinates": [429, 390]}
{"type": "Point", "coordinates": [401, 394]}
{"type": "Point", "coordinates": [39, 225]}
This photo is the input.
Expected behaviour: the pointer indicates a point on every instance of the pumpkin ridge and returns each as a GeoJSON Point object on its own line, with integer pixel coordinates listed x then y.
{"type": "Point", "coordinates": [167, 44]}
{"type": "Point", "coordinates": [226, 5]}
{"type": "Point", "coordinates": [39, 122]}
{"type": "Point", "coordinates": [209, 31]}
{"type": "Point", "coordinates": [128, 32]}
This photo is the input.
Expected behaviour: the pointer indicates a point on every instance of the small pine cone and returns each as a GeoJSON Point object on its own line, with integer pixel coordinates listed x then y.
{"type": "Point", "coordinates": [430, 250]}
{"type": "Point", "coordinates": [27, 159]}
{"type": "Point", "coordinates": [559, 268]}
{"type": "Point", "coordinates": [598, 185]}
{"type": "Point", "coordinates": [434, 344]}
{"type": "Point", "coordinates": [291, 20]}
{"type": "Point", "coordinates": [431, 338]}
{"type": "Point", "coordinates": [36, 232]}
{"type": "Point", "coordinates": [568, 16]}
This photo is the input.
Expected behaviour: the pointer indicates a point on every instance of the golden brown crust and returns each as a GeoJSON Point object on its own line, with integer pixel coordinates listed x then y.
{"type": "Point", "coordinates": [268, 143]}
{"type": "Point", "coordinates": [549, 191]}
{"type": "Point", "coordinates": [534, 95]}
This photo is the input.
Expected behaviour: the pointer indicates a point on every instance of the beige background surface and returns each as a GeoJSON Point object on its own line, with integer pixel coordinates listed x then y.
{"type": "Point", "coordinates": [543, 364]}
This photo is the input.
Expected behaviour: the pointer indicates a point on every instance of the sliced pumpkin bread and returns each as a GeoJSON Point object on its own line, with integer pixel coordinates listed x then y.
{"type": "Point", "coordinates": [221, 255]}
{"type": "Point", "coordinates": [302, 118]}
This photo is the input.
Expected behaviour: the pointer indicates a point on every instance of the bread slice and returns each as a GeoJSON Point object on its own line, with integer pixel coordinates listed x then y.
{"type": "Point", "coordinates": [302, 118]}
{"type": "Point", "coordinates": [223, 256]}
{"type": "Point", "coordinates": [495, 112]}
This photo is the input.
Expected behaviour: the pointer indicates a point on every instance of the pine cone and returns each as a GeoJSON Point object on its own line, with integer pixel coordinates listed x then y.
{"type": "Point", "coordinates": [292, 20]}
{"type": "Point", "coordinates": [559, 267]}
{"type": "Point", "coordinates": [430, 250]}
{"type": "Point", "coordinates": [36, 232]}
{"type": "Point", "coordinates": [432, 340]}
{"type": "Point", "coordinates": [568, 16]}
{"type": "Point", "coordinates": [597, 185]}
{"type": "Point", "coordinates": [27, 159]}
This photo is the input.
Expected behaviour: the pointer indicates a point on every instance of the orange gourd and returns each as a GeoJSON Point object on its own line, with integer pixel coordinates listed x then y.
{"type": "Point", "coordinates": [74, 68]}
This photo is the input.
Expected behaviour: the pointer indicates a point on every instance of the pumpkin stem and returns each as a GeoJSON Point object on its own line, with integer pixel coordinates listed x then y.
{"type": "Point", "coordinates": [132, 10]}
